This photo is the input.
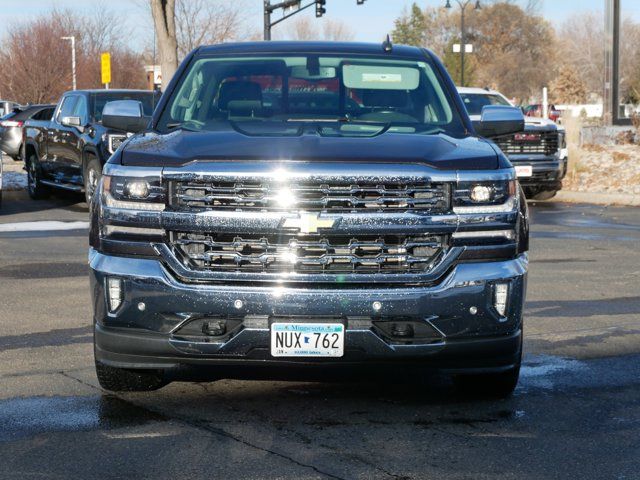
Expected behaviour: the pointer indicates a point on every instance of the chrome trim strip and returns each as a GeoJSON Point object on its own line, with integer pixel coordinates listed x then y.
{"type": "Point", "coordinates": [116, 170]}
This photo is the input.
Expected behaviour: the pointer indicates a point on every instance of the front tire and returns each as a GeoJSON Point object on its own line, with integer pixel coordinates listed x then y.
{"type": "Point", "coordinates": [124, 380]}
{"type": "Point", "coordinates": [36, 189]}
{"type": "Point", "coordinates": [92, 175]}
{"type": "Point", "coordinates": [544, 195]}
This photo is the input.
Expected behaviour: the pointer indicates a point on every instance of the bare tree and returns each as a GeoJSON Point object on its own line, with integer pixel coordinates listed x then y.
{"type": "Point", "coordinates": [302, 28]}
{"type": "Point", "coordinates": [337, 31]}
{"type": "Point", "coordinates": [581, 42]}
{"type": "Point", "coordinates": [202, 22]}
{"type": "Point", "coordinates": [37, 62]}
{"type": "Point", "coordinates": [515, 49]}
{"type": "Point", "coordinates": [306, 28]}
{"type": "Point", "coordinates": [164, 19]}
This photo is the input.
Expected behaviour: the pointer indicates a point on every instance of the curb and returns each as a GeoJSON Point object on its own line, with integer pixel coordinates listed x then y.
{"type": "Point", "coordinates": [597, 198]}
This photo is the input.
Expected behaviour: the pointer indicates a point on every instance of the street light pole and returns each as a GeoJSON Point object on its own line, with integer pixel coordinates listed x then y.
{"type": "Point", "coordinates": [73, 58]}
{"type": "Point", "coordinates": [463, 34]}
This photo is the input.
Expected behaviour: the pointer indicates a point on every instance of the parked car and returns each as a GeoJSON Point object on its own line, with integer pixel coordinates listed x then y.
{"type": "Point", "coordinates": [1, 172]}
{"type": "Point", "coordinates": [233, 238]}
{"type": "Point", "coordinates": [537, 110]}
{"type": "Point", "coordinates": [539, 154]}
{"type": "Point", "coordinates": [7, 107]}
{"type": "Point", "coordinates": [11, 126]}
{"type": "Point", "coordinates": [69, 150]}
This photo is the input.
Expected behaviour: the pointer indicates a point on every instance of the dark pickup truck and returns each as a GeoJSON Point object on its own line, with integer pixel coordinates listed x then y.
{"type": "Point", "coordinates": [302, 208]}
{"type": "Point", "coordinates": [69, 150]}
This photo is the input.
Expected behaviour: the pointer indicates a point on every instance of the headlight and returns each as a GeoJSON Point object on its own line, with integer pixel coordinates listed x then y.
{"type": "Point", "coordinates": [562, 139]}
{"type": "Point", "coordinates": [133, 193]}
{"type": "Point", "coordinates": [485, 197]}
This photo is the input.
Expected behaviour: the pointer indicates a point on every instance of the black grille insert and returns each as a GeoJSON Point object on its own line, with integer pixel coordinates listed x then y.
{"type": "Point", "coordinates": [308, 253]}
{"type": "Point", "coordinates": [545, 143]}
{"type": "Point", "coordinates": [308, 196]}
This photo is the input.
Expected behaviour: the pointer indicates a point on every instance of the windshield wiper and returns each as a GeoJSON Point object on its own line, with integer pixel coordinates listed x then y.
{"type": "Point", "coordinates": [182, 126]}
{"type": "Point", "coordinates": [345, 119]}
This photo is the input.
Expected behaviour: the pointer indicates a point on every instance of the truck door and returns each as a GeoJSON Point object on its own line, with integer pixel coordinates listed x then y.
{"type": "Point", "coordinates": [57, 137]}
{"type": "Point", "coordinates": [73, 155]}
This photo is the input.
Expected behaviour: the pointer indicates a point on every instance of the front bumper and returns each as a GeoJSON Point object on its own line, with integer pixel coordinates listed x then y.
{"type": "Point", "coordinates": [136, 337]}
{"type": "Point", "coordinates": [548, 171]}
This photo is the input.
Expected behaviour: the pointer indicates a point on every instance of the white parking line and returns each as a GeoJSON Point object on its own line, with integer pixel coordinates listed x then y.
{"type": "Point", "coordinates": [43, 226]}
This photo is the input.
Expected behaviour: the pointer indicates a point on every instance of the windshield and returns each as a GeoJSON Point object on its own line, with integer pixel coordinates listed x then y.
{"type": "Point", "coordinates": [148, 100]}
{"type": "Point", "coordinates": [474, 102]}
{"type": "Point", "coordinates": [331, 95]}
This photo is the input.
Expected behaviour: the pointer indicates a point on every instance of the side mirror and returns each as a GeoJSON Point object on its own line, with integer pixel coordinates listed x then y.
{"type": "Point", "coordinates": [75, 122]}
{"type": "Point", "coordinates": [497, 120]}
{"type": "Point", "coordinates": [124, 115]}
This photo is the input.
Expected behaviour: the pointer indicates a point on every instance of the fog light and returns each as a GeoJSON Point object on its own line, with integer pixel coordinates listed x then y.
{"type": "Point", "coordinates": [480, 194]}
{"type": "Point", "coordinates": [114, 293]}
{"type": "Point", "coordinates": [137, 189]}
{"type": "Point", "coordinates": [402, 330]}
{"type": "Point", "coordinates": [500, 298]}
{"type": "Point", "coordinates": [214, 328]}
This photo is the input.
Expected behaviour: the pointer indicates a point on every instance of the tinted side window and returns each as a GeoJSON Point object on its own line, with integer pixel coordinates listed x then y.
{"type": "Point", "coordinates": [66, 110]}
{"type": "Point", "coordinates": [46, 114]}
{"type": "Point", "coordinates": [80, 110]}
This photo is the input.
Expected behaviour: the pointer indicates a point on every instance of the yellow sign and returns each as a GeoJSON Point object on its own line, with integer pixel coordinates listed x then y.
{"type": "Point", "coordinates": [105, 61]}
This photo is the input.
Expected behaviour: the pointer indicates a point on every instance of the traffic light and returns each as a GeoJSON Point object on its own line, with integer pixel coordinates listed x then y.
{"type": "Point", "coordinates": [320, 10]}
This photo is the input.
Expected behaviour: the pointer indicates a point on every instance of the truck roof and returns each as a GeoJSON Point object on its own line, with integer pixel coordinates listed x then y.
{"type": "Point", "coordinates": [111, 90]}
{"type": "Point", "coordinates": [478, 90]}
{"type": "Point", "coordinates": [312, 47]}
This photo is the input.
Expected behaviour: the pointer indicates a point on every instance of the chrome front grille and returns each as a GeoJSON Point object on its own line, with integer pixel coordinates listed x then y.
{"type": "Point", "coordinates": [545, 143]}
{"type": "Point", "coordinates": [281, 253]}
{"type": "Point", "coordinates": [308, 196]}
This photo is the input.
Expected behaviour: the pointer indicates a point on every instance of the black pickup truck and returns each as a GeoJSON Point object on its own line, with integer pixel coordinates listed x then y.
{"type": "Point", "coordinates": [70, 150]}
{"type": "Point", "coordinates": [309, 207]}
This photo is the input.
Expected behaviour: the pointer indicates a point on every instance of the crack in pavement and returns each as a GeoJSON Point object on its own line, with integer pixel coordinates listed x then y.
{"type": "Point", "coordinates": [216, 431]}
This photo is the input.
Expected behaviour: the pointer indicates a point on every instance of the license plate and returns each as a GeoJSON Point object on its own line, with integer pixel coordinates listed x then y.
{"type": "Point", "coordinates": [307, 339]}
{"type": "Point", "coordinates": [524, 170]}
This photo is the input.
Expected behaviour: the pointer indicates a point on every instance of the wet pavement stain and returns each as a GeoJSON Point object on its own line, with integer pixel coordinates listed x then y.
{"type": "Point", "coordinates": [26, 417]}
{"type": "Point", "coordinates": [52, 338]}
{"type": "Point", "coordinates": [45, 270]}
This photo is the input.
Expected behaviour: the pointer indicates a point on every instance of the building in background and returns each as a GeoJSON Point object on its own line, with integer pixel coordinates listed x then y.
{"type": "Point", "coordinates": [154, 76]}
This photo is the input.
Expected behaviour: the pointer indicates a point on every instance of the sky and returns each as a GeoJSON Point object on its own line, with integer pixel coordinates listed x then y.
{"type": "Point", "coordinates": [371, 21]}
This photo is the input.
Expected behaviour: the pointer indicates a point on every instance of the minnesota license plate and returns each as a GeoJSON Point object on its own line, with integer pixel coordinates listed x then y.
{"type": "Point", "coordinates": [307, 339]}
{"type": "Point", "coordinates": [524, 170]}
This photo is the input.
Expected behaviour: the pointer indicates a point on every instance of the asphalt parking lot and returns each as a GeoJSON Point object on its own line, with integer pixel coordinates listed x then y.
{"type": "Point", "coordinates": [575, 414]}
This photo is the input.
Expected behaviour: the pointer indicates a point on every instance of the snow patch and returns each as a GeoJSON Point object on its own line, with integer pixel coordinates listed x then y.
{"type": "Point", "coordinates": [540, 370]}
{"type": "Point", "coordinates": [14, 181]}
{"type": "Point", "coordinates": [43, 226]}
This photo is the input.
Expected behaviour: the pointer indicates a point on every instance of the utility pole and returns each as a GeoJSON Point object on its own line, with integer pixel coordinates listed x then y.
{"type": "Point", "coordinates": [286, 4]}
{"type": "Point", "coordinates": [73, 58]}
{"type": "Point", "coordinates": [463, 34]}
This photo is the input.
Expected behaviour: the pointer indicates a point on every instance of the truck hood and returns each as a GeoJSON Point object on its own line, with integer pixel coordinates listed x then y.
{"type": "Point", "coordinates": [181, 147]}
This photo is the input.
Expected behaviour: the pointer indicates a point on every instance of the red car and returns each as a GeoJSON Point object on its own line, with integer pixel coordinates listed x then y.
{"type": "Point", "coordinates": [535, 110]}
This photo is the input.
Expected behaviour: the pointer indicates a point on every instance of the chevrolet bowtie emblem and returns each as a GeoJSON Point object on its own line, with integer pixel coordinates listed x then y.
{"type": "Point", "coordinates": [308, 223]}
